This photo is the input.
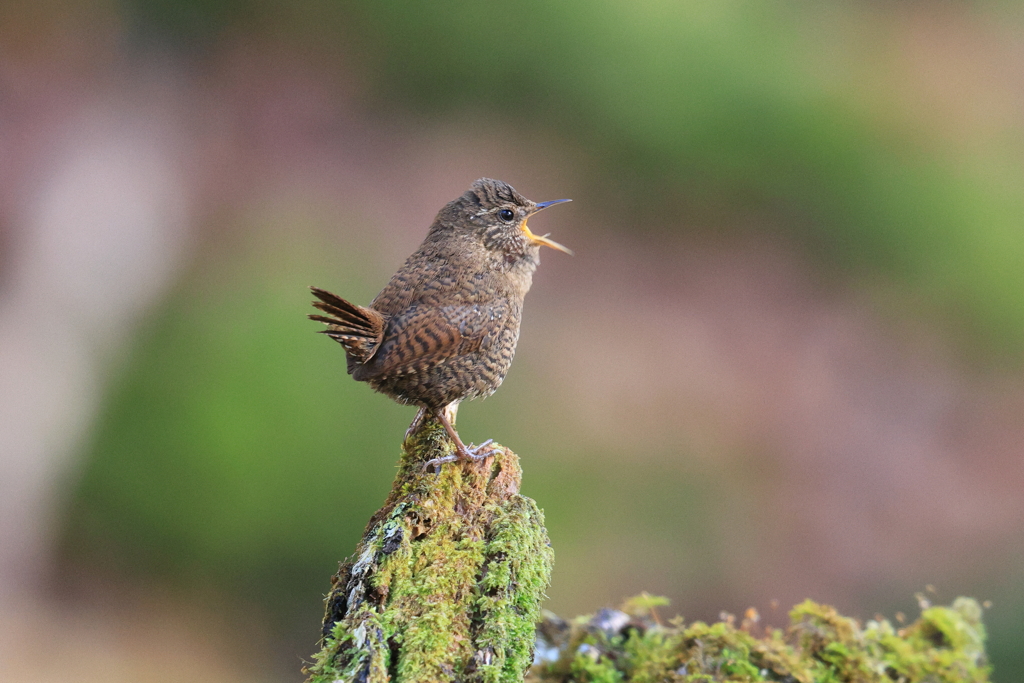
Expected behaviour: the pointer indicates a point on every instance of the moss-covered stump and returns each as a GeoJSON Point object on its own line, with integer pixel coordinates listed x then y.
{"type": "Point", "coordinates": [447, 581]}
{"type": "Point", "coordinates": [945, 645]}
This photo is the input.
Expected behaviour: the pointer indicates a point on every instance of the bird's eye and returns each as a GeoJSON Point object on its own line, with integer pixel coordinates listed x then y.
{"type": "Point", "coordinates": [506, 215]}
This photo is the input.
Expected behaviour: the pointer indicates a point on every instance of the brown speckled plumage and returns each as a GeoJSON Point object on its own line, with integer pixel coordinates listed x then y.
{"type": "Point", "coordinates": [445, 327]}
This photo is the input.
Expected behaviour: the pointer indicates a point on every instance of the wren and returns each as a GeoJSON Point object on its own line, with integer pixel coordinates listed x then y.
{"type": "Point", "coordinates": [445, 327]}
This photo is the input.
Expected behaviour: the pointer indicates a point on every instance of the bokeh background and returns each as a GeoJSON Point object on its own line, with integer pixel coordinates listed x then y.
{"type": "Point", "coordinates": [784, 363]}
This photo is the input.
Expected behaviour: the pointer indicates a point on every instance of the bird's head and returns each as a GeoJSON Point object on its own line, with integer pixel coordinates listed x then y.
{"type": "Point", "coordinates": [496, 215]}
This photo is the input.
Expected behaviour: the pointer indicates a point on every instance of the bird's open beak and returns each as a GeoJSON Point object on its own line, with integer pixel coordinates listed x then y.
{"type": "Point", "coordinates": [543, 239]}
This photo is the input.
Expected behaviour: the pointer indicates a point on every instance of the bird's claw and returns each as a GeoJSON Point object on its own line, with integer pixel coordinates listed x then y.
{"type": "Point", "coordinates": [477, 453]}
{"type": "Point", "coordinates": [472, 454]}
{"type": "Point", "coordinates": [437, 462]}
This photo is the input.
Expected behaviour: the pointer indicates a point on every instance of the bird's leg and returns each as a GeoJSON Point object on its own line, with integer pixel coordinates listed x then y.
{"type": "Point", "coordinates": [416, 423]}
{"type": "Point", "coordinates": [462, 452]}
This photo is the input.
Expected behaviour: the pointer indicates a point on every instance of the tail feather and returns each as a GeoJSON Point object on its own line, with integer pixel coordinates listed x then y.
{"type": "Point", "coordinates": [334, 321]}
{"type": "Point", "coordinates": [343, 316]}
{"type": "Point", "coordinates": [335, 300]}
{"type": "Point", "coordinates": [357, 328]}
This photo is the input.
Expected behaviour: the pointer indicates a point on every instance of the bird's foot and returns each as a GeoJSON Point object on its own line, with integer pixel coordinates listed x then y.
{"type": "Point", "coordinates": [470, 454]}
{"type": "Point", "coordinates": [478, 452]}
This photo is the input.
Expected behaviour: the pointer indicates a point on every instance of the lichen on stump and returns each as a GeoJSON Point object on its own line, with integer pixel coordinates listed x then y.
{"type": "Point", "coordinates": [447, 581]}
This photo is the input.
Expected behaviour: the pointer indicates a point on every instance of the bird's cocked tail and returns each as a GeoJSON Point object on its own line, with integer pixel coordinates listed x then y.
{"type": "Point", "coordinates": [357, 328]}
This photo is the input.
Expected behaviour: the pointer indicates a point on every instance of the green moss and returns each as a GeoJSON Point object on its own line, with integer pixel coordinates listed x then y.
{"type": "Point", "coordinates": [945, 645]}
{"type": "Point", "coordinates": [447, 581]}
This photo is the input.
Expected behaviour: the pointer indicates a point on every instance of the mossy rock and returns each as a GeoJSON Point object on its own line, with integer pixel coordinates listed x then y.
{"type": "Point", "coordinates": [447, 581]}
{"type": "Point", "coordinates": [945, 645]}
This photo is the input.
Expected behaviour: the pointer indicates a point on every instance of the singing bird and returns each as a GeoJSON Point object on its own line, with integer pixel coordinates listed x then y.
{"type": "Point", "coordinates": [445, 327]}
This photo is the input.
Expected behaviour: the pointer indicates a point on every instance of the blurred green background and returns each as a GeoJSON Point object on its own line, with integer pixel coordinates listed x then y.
{"type": "Point", "coordinates": [784, 363]}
